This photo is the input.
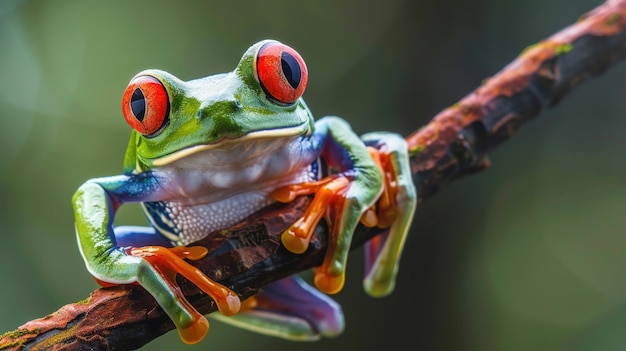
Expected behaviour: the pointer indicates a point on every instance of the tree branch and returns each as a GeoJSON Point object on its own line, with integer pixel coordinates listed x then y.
{"type": "Point", "coordinates": [453, 144]}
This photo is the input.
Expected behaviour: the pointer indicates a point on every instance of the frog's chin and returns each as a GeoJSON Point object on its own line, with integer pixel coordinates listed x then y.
{"type": "Point", "coordinates": [257, 135]}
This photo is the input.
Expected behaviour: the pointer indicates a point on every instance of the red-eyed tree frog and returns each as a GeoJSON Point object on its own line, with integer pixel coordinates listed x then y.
{"type": "Point", "coordinates": [207, 153]}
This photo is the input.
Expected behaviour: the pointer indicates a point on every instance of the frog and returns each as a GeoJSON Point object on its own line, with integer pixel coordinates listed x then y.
{"type": "Point", "coordinates": [207, 153]}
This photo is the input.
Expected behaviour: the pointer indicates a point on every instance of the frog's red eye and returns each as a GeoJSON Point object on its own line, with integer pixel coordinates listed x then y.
{"type": "Point", "coordinates": [145, 105]}
{"type": "Point", "coordinates": [281, 72]}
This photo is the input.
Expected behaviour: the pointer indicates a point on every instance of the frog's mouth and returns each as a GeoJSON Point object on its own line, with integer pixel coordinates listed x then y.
{"type": "Point", "coordinates": [256, 135]}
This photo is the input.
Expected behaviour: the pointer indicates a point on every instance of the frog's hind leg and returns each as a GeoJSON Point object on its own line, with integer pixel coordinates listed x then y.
{"type": "Point", "coordinates": [395, 209]}
{"type": "Point", "coordinates": [290, 309]}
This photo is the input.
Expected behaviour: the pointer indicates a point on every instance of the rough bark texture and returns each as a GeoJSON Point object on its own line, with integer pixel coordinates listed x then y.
{"type": "Point", "coordinates": [455, 143]}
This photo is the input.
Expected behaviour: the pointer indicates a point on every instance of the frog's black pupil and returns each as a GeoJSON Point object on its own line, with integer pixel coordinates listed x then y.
{"type": "Point", "coordinates": [138, 104]}
{"type": "Point", "coordinates": [291, 69]}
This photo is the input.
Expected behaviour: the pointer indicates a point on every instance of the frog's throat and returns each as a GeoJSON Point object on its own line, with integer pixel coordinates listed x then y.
{"type": "Point", "coordinates": [267, 133]}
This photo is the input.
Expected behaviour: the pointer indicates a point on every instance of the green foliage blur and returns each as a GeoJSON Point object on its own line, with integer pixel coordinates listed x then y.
{"type": "Point", "coordinates": [528, 254]}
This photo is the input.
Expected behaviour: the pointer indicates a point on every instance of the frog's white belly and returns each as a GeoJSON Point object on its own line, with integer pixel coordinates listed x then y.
{"type": "Point", "coordinates": [207, 195]}
{"type": "Point", "coordinates": [183, 223]}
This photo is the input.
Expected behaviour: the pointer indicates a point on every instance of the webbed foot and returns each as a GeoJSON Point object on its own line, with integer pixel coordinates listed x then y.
{"type": "Point", "coordinates": [167, 263]}
{"type": "Point", "coordinates": [329, 198]}
{"type": "Point", "coordinates": [290, 309]}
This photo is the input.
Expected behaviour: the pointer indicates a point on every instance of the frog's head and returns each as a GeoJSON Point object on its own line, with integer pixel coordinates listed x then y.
{"type": "Point", "coordinates": [172, 119]}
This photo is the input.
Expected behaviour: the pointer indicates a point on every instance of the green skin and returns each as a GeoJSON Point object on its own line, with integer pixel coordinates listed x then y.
{"type": "Point", "coordinates": [227, 143]}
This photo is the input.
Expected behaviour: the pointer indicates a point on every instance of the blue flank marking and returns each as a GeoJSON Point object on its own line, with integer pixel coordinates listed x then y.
{"type": "Point", "coordinates": [316, 169]}
{"type": "Point", "coordinates": [159, 218]}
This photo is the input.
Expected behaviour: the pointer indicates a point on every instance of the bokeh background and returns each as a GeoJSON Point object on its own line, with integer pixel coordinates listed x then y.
{"type": "Point", "coordinates": [529, 254]}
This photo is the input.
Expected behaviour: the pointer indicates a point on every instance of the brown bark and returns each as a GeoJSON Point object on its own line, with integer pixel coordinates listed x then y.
{"type": "Point", "coordinates": [454, 143]}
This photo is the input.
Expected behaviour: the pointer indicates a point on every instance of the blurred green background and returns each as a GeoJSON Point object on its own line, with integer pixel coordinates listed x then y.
{"type": "Point", "coordinates": [529, 254]}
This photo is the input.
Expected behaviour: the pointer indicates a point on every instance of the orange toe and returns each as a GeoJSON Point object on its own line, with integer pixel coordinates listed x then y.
{"type": "Point", "coordinates": [171, 262]}
{"type": "Point", "coordinates": [329, 283]}
{"type": "Point", "coordinates": [195, 332]}
{"type": "Point", "coordinates": [193, 253]}
{"type": "Point", "coordinates": [369, 218]}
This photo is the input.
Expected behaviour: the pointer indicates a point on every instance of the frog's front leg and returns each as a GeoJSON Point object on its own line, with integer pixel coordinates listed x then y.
{"type": "Point", "coordinates": [342, 198]}
{"type": "Point", "coordinates": [372, 184]}
{"type": "Point", "coordinates": [152, 267]}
